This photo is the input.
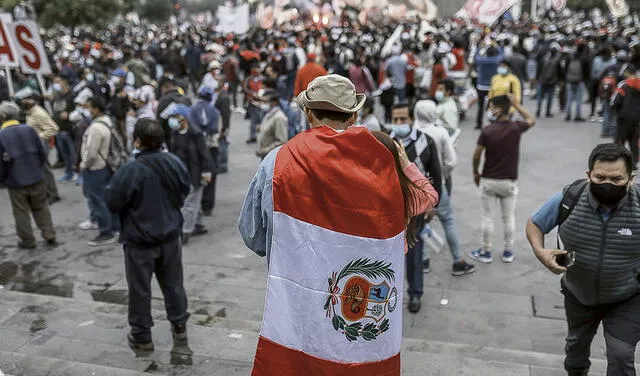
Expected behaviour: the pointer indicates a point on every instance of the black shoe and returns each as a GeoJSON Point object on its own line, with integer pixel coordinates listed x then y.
{"type": "Point", "coordinates": [53, 200]}
{"type": "Point", "coordinates": [179, 334]}
{"type": "Point", "coordinates": [414, 304]}
{"type": "Point", "coordinates": [462, 268]}
{"type": "Point", "coordinates": [567, 118]}
{"type": "Point", "coordinates": [579, 120]}
{"type": "Point", "coordinates": [22, 245]}
{"type": "Point", "coordinates": [538, 113]}
{"type": "Point", "coordinates": [223, 170]}
{"type": "Point", "coordinates": [140, 343]}
{"type": "Point", "coordinates": [549, 115]}
{"type": "Point", "coordinates": [478, 127]}
{"type": "Point", "coordinates": [52, 242]}
{"type": "Point", "coordinates": [58, 164]}
{"type": "Point", "coordinates": [207, 213]}
{"type": "Point", "coordinates": [199, 230]}
{"type": "Point", "coordinates": [426, 266]}
{"type": "Point", "coordinates": [185, 238]}
{"type": "Point", "coordinates": [251, 141]}
{"type": "Point", "coordinates": [103, 239]}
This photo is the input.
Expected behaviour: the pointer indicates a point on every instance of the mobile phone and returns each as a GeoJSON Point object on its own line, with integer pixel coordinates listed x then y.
{"type": "Point", "coordinates": [566, 260]}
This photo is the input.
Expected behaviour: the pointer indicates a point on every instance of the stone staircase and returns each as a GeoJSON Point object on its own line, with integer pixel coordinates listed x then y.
{"type": "Point", "coordinates": [46, 335]}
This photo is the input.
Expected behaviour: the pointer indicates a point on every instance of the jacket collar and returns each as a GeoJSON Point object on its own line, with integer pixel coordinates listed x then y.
{"type": "Point", "coordinates": [9, 123]}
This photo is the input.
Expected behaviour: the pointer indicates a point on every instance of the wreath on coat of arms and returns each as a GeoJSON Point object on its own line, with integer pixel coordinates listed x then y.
{"type": "Point", "coordinates": [360, 299]}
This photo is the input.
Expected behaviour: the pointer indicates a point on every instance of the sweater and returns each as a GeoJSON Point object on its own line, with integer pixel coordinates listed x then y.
{"type": "Point", "coordinates": [41, 121]}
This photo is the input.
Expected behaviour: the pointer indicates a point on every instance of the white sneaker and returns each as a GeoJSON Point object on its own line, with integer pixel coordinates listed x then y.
{"type": "Point", "coordinates": [88, 225]}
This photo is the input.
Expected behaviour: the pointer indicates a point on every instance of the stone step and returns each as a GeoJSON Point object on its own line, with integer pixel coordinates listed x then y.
{"type": "Point", "coordinates": [94, 333]}
{"type": "Point", "coordinates": [15, 364]}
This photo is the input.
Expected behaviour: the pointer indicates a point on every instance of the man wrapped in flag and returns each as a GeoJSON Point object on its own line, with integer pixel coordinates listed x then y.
{"type": "Point", "coordinates": [327, 210]}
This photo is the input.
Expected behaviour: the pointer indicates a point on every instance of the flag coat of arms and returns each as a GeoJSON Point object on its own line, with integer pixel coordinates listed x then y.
{"type": "Point", "coordinates": [336, 258]}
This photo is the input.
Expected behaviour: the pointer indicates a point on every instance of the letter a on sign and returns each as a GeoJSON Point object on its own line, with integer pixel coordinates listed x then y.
{"type": "Point", "coordinates": [32, 55]}
{"type": "Point", "coordinates": [8, 51]}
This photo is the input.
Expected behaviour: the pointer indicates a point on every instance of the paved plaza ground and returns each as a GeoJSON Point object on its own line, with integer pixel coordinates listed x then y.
{"type": "Point", "coordinates": [63, 310]}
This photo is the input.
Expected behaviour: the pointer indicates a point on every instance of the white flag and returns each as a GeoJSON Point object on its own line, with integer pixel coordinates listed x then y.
{"type": "Point", "coordinates": [485, 11]}
{"type": "Point", "coordinates": [618, 8]}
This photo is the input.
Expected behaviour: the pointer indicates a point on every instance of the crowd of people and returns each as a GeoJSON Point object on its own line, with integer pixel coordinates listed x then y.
{"type": "Point", "coordinates": [140, 117]}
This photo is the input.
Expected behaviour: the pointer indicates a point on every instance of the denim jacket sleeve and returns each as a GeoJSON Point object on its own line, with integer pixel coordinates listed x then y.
{"type": "Point", "coordinates": [256, 218]}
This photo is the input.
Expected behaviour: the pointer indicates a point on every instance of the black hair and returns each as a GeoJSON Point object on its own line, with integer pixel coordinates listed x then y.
{"type": "Point", "coordinates": [98, 103]}
{"type": "Point", "coordinates": [331, 115]}
{"type": "Point", "coordinates": [150, 134]}
{"type": "Point", "coordinates": [611, 153]}
{"type": "Point", "coordinates": [449, 85]}
{"type": "Point", "coordinates": [403, 105]}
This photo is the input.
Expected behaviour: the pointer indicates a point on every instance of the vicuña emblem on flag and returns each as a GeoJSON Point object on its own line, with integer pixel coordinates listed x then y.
{"type": "Point", "coordinates": [362, 305]}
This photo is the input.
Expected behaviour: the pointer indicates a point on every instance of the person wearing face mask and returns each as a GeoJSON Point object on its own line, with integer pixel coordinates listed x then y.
{"type": "Point", "coordinates": [423, 151]}
{"type": "Point", "coordinates": [40, 120]}
{"type": "Point", "coordinates": [274, 127]}
{"type": "Point", "coordinates": [63, 105]}
{"type": "Point", "coordinates": [505, 83]}
{"type": "Point", "coordinates": [626, 102]}
{"type": "Point", "coordinates": [447, 108]}
{"type": "Point", "coordinates": [188, 143]}
{"type": "Point", "coordinates": [147, 195]}
{"type": "Point", "coordinates": [549, 74]}
{"type": "Point", "coordinates": [252, 87]}
{"type": "Point", "coordinates": [498, 183]}
{"type": "Point", "coordinates": [597, 222]}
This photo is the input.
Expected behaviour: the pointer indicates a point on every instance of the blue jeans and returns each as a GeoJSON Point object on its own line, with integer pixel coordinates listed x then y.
{"type": "Point", "coordinates": [255, 118]}
{"type": "Point", "coordinates": [444, 211]}
{"type": "Point", "coordinates": [608, 126]}
{"type": "Point", "coordinates": [68, 150]}
{"type": "Point", "coordinates": [575, 92]}
{"type": "Point", "coordinates": [414, 268]}
{"type": "Point", "coordinates": [401, 94]}
{"type": "Point", "coordinates": [93, 188]}
{"type": "Point", "coordinates": [545, 90]}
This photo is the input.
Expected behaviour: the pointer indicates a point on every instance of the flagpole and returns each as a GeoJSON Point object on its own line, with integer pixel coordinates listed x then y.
{"type": "Point", "coordinates": [534, 9]}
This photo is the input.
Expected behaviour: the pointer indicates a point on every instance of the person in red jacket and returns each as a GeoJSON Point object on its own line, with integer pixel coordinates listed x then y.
{"type": "Point", "coordinates": [308, 73]}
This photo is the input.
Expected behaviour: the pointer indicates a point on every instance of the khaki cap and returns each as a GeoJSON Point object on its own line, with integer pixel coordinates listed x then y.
{"type": "Point", "coordinates": [332, 93]}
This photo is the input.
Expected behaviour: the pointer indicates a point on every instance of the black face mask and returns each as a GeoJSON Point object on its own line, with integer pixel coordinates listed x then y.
{"type": "Point", "coordinates": [608, 194]}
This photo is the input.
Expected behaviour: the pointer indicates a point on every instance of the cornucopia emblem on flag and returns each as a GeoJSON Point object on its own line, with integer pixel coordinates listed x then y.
{"type": "Point", "coordinates": [361, 304]}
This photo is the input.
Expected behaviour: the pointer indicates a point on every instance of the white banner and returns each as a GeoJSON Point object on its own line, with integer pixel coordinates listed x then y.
{"type": "Point", "coordinates": [485, 11]}
{"type": "Point", "coordinates": [30, 49]}
{"type": "Point", "coordinates": [233, 19]}
{"type": "Point", "coordinates": [618, 8]}
{"type": "Point", "coordinates": [8, 57]}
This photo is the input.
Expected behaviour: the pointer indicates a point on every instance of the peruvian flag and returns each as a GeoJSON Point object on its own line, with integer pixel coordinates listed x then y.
{"type": "Point", "coordinates": [336, 268]}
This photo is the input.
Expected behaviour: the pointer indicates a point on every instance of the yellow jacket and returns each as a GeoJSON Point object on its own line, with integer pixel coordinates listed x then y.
{"type": "Point", "coordinates": [503, 85]}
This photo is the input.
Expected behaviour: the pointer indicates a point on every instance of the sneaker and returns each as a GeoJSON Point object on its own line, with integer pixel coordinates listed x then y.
{"type": "Point", "coordinates": [88, 225]}
{"type": "Point", "coordinates": [549, 115]}
{"type": "Point", "coordinates": [52, 243]}
{"type": "Point", "coordinates": [579, 120]}
{"type": "Point", "coordinates": [426, 266]}
{"type": "Point", "coordinates": [26, 246]}
{"type": "Point", "coordinates": [102, 239]}
{"type": "Point", "coordinates": [462, 268]}
{"type": "Point", "coordinates": [567, 118]}
{"type": "Point", "coordinates": [508, 256]}
{"type": "Point", "coordinates": [67, 179]}
{"type": "Point", "coordinates": [179, 334]}
{"type": "Point", "coordinates": [481, 256]}
{"type": "Point", "coordinates": [140, 343]}
{"type": "Point", "coordinates": [251, 141]}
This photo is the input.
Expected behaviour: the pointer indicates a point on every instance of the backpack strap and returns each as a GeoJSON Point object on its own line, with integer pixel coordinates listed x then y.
{"type": "Point", "coordinates": [571, 195]}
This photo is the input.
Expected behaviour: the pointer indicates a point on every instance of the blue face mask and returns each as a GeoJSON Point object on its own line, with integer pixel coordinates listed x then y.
{"type": "Point", "coordinates": [503, 71]}
{"type": "Point", "coordinates": [56, 87]}
{"type": "Point", "coordinates": [174, 123]}
{"type": "Point", "coordinates": [401, 130]}
{"type": "Point", "coordinates": [135, 152]}
{"type": "Point", "coordinates": [439, 96]}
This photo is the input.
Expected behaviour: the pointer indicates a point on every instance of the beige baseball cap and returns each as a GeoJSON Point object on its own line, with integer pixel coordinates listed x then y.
{"type": "Point", "coordinates": [332, 93]}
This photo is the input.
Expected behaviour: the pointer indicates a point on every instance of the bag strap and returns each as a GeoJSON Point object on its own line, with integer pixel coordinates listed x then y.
{"type": "Point", "coordinates": [571, 195]}
{"type": "Point", "coordinates": [172, 198]}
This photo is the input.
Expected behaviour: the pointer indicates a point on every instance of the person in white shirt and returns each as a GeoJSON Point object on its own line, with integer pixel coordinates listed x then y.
{"type": "Point", "coordinates": [209, 79]}
{"type": "Point", "coordinates": [447, 108]}
{"type": "Point", "coordinates": [426, 120]}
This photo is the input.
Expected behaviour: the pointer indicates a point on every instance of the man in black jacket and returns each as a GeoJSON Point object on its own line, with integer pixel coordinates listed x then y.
{"type": "Point", "coordinates": [171, 93]}
{"type": "Point", "coordinates": [421, 150]}
{"type": "Point", "coordinates": [147, 194]}
{"type": "Point", "coordinates": [223, 104]}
